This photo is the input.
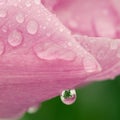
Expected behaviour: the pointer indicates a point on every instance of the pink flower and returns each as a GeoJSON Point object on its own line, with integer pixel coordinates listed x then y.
{"type": "Point", "coordinates": [52, 45]}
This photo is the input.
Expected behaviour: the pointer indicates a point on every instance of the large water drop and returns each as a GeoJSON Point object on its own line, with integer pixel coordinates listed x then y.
{"type": "Point", "coordinates": [68, 97]}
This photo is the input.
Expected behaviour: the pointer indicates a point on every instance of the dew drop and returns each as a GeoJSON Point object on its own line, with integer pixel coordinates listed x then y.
{"type": "Point", "coordinates": [32, 109]}
{"type": "Point", "coordinates": [15, 38]}
{"type": "Point", "coordinates": [3, 13]}
{"type": "Point", "coordinates": [32, 27]}
{"type": "Point", "coordinates": [51, 51]}
{"type": "Point", "coordinates": [20, 18]}
{"type": "Point", "coordinates": [68, 97]}
{"type": "Point", "coordinates": [1, 47]}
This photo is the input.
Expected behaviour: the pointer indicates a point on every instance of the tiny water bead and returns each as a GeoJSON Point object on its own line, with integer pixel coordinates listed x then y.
{"type": "Point", "coordinates": [32, 27]}
{"type": "Point", "coordinates": [20, 18]}
{"type": "Point", "coordinates": [68, 97]}
{"type": "Point", "coordinates": [15, 38]}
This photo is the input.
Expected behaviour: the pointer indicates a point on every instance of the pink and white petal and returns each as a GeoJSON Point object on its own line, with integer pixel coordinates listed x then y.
{"type": "Point", "coordinates": [107, 53]}
{"type": "Point", "coordinates": [87, 17]}
{"type": "Point", "coordinates": [39, 57]}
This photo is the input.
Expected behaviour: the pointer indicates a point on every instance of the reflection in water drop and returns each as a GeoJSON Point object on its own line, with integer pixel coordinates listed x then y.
{"type": "Point", "coordinates": [68, 97]}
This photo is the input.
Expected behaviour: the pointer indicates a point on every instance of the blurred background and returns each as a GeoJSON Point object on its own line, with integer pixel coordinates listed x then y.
{"type": "Point", "coordinates": [97, 101]}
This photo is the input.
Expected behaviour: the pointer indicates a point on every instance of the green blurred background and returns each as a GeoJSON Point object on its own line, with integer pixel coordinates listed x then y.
{"type": "Point", "coordinates": [97, 101]}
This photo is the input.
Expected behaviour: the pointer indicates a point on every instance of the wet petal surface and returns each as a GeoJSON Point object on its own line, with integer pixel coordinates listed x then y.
{"type": "Point", "coordinates": [40, 55]}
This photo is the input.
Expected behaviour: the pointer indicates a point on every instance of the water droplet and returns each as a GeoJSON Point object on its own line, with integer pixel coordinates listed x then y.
{"type": "Point", "coordinates": [32, 27]}
{"type": "Point", "coordinates": [3, 13]}
{"type": "Point", "coordinates": [51, 51]}
{"type": "Point", "coordinates": [1, 47]}
{"type": "Point", "coordinates": [28, 3]}
{"type": "Point", "coordinates": [33, 109]}
{"type": "Point", "coordinates": [68, 97]}
{"type": "Point", "coordinates": [20, 18]}
{"type": "Point", "coordinates": [15, 38]}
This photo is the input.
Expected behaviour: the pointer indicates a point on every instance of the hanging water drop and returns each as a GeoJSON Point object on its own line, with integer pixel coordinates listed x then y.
{"type": "Point", "coordinates": [68, 97]}
{"type": "Point", "coordinates": [33, 109]}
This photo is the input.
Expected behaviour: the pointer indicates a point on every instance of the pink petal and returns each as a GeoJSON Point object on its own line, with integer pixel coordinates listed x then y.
{"type": "Point", "coordinates": [40, 56]}
{"type": "Point", "coordinates": [107, 53]}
